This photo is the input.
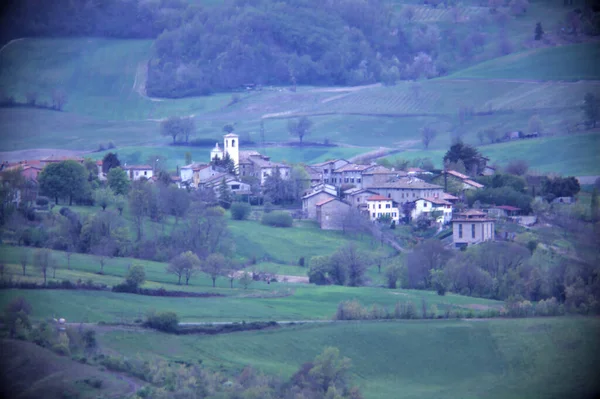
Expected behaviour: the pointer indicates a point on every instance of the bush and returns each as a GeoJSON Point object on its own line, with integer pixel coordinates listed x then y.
{"type": "Point", "coordinates": [277, 219]}
{"type": "Point", "coordinates": [61, 349]}
{"type": "Point", "coordinates": [301, 261]}
{"type": "Point", "coordinates": [240, 211]}
{"type": "Point", "coordinates": [42, 201]}
{"type": "Point", "coordinates": [164, 321]}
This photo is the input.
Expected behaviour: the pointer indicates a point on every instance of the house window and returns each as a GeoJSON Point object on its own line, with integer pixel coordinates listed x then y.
{"type": "Point", "coordinates": [145, 173]}
{"type": "Point", "coordinates": [394, 214]}
{"type": "Point", "coordinates": [373, 215]}
{"type": "Point", "coordinates": [352, 180]}
{"type": "Point", "coordinates": [232, 143]}
{"type": "Point", "coordinates": [425, 205]}
{"type": "Point", "coordinates": [357, 199]}
{"type": "Point", "coordinates": [473, 230]}
{"type": "Point", "coordinates": [326, 180]}
{"type": "Point", "coordinates": [286, 173]}
{"type": "Point", "coordinates": [243, 173]}
{"type": "Point", "coordinates": [345, 180]}
{"type": "Point", "coordinates": [379, 206]}
{"type": "Point", "coordinates": [235, 186]}
{"type": "Point", "coordinates": [358, 180]}
{"type": "Point", "coordinates": [325, 170]}
{"type": "Point", "coordinates": [460, 231]}
{"type": "Point", "coordinates": [387, 206]}
{"type": "Point", "coordinates": [389, 195]}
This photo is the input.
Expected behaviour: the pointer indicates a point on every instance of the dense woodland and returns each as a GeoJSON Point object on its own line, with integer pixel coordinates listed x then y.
{"type": "Point", "coordinates": [200, 50]}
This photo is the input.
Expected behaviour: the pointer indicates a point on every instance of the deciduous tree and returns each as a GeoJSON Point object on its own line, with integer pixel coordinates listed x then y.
{"type": "Point", "coordinates": [63, 179]}
{"type": "Point", "coordinates": [428, 134]}
{"type": "Point", "coordinates": [118, 181]}
{"type": "Point", "coordinates": [42, 259]}
{"type": "Point", "coordinates": [184, 265]}
{"type": "Point", "coordinates": [299, 128]}
{"type": "Point", "coordinates": [104, 197]}
{"type": "Point", "coordinates": [110, 161]}
{"type": "Point", "coordinates": [214, 265]}
{"type": "Point", "coordinates": [591, 108]}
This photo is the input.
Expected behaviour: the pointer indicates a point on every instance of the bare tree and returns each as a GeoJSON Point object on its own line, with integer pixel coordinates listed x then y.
{"type": "Point", "coordinates": [231, 273]}
{"type": "Point", "coordinates": [68, 254]}
{"type": "Point", "coordinates": [59, 99]}
{"type": "Point", "coordinates": [428, 134]}
{"type": "Point", "coordinates": [300, 127]}
{"type": "Point", "coordinates": [517, 167]}
{"type": "Point", "coordinates": [42, 260]}
{"type": "Point", "coordinates": [185, 265]}
{"type": "Point", "coordinates": [24, 258]}
{"type": "Point", "coordinates": [103, 249]}
{"type": "Point", "coordinates": [54, 265]}
{"type": "Point", "coordinates": [214, 265]}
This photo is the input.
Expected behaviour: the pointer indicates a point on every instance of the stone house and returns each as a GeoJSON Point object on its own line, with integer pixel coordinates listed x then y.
{"type": "Point", "coordinates": [349, 174]}
{"type": "Point", "coordinates": [358, 196]}
{"type": "Point", "coordinates": [380, 174]}
{"type": "Point", "coordinates": [471, 227]}
{"type": "Point", "coordinates": [196, 173]}
{"type": "Point", "coordinates": [407, 190]}
{"type": "Point", "coordinates": [310, 201]}
{"type": "Point", "coordinates": [331, 213]}
{"type": "Point", "coordinates": [328, 167]}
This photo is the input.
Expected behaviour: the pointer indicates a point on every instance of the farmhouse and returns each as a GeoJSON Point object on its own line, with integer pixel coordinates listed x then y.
{"type": "Point", "coordinates": [382, 207]}
{"type": "Point", "coordinates": [358, 196]}
{"type": "Point", "coordinates": [331, 213]}
{"type": "Point", "coordinates": [310, 201]}
{"type": "Point", "coordinates": [433, 206]}
{"type": "Point", "coordinates": [471, 227]}
{"type": "Point", "coordinates": [326, 168]}
{"type": "Point", "coordinates": [137, 172]}
{"type": "Point", "coordinates": [232, 182]}
{"type": "Point", "coordinates": [350, 174]}
{"type": "Point", "coordinates": [407, 190]}
{"type": "Point", "coordinates": [196, 173]}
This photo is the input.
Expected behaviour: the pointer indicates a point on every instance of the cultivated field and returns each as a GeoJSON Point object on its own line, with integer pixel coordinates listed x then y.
{"type": "Point", "coordinates": [408, 359]}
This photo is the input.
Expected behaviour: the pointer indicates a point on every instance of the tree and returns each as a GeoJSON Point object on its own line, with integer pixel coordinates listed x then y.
{"type": "Point", "coordinates": [225, 195]}
{"type": "Point", "coordinates": [240, 211]}
{"type": "Point", "coordinates": [535, 125]}
{"type": "Point", "coordinates": [188, 157]}
{"type": "Point", "coordinates": [176, 126]}
{"type": "Point", "coordinates": [348, 260]}
{"type": "Point", "coordinates": [539, 31]}
{"type": "Point", "coordinates": [466, 153]}
{"type": "Point", "coordinates": [63, 179]}
{"type": "Point", "coordinates": [231, 272]}
{"type": "Point", "coordinates": [104, 197]}
{"type": "Point", "coordinates": [110, 161]}
{"type": "Point", "coordinates": [42, 259]}
{"type": "Point", "coordinates": [184, 264]}
{"type": "Point", "coordinates": [246, 280]}
{"type": "Point", "coordinates": [139, 208]}
{"type": "Point", "coordinates": [428, 134]}
{"type": "Point", "coordinates": [59, 99]}
{"type": "Point", "coordinates": [330, 371]}
{"type": "Point", "coordinates": [517, 167]}
{"type": "Point", "coordinates": [135, 276]}
{"type": "Point", "coordinates": [594, 207]}
{"type": "Point", "coordinates": [299, 128]}
{"type": "Point", "coordinates": [392, 273]}
{"type": "Point", "coordinates": [492, 135]}
{"type": "Point", "coordinates": [591, 109]}
{"type": "Point", "coordinates": [426, 256]}
{"type": "Point", "coordinates": [214, 265]}
{"type": "Point", "coordinates": [118, 181]}
{"type": "Point", "coordinates": [24, 258]}
{"type": "Point", "coordinates": [228, 128]}
{"type": "Point", "coordinates": [104, 248]}
{"type": "Point", "coordinates": [120, 203]}
{"type": "Point", "coordinates": [16, 315]}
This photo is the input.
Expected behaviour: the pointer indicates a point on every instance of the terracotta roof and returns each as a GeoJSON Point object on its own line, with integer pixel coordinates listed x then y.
{"type": "Point", "coordinates": [473, 183]}
{"type": "Point", "coordinates": [328, 200]}
{"type": "Point", "coordinates": [508, 208]}
{"type": "Point", "coordinates": [471, 212]}
{"type": "Point", "coordinates": [378, 198]}
{"type": "Point", "coordinates": [265, 163]}
{"type": "Point", "coordinates": [351, 167]}
{"type": "Point", "coordinates": [406, 184]}
{"type": "Point", "coordinates": [99, 162]}
{"type": "Point", "coordinates": [328, 162]}
{"type": "Point", "coordinates": [457, 174]}
{"type": "Point", "coordinates": [318, 192]}
{"type": "Point", "coordinates": [138, 167]}
{"type": "Point", "coordinates": [438, 201]}
{"type": "Point", "coordinates": [447, 196]}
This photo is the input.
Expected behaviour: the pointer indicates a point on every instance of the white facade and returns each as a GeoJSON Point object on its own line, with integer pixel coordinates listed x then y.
{"type": "Point", "coordinates": [231, 146]}
{"type": "Point", "coordinates": [139, 172]}
{"type": "Point", "coordinates": [379, 207]}
{"type": "Point", "coordinates": [430, 205]}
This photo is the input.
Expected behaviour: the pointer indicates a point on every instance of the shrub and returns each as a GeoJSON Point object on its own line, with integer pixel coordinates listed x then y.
{"type": "Point", "coordinates": [61, 349]}
{"type": "Point", "coordinates": [277, 219]}
{"type": "Point", "coordinates": [240, 211]}
{"type": "Point", "coordinates": [164, 321]}
{"type": "Point", "coordinates": [301, 261]}
{"type": "Point", "coordinates": [94, 382]}
{"type": "Point", "coordinates": [89, 339]}
{"type": "Point", "coordinates": [42, 201]}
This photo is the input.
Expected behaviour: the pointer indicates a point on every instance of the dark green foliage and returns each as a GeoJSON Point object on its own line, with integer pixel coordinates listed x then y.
{"type": "Point", "coordinates": [226, 164]}
{"type": "Point", "coordinates": [225, 195]}
{"type": "Point", "coordinates": [89, 339]}
{"type": "Point", "coordinates": [240, 210]}
{"type": "Point", "coordinates": [501, 196]}
{"type": "Point", "coordinates": [163, 321]}
{"type": "Point", "coordinates": [539, 31]}
{"type": "Point", "coordinates": [178, 128]}
{"type": "Point", "coordinates": [553, 187]}
{"type": "Point", "coordinates": [346, 266]}
{"type": "Point", "coordinates": [110, 161]}
{"type": "Point", "coordinates": [277, 219]}
{"type": "Point", "coordinates": [466, 153]}
{"type": "Point", "coordinates": [66, 179]}
{"type": "Point", "coordinates": [135, 276]}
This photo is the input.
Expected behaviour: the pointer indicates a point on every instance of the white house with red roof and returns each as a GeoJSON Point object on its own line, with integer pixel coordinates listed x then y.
{"type": "Point", "coordinates": [382, 207]}
{"type": "Point", "coordinates": [437, 206]}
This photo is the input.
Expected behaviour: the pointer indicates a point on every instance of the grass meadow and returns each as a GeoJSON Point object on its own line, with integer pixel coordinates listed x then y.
{"type": "Point", "coordinates": [541, 358]}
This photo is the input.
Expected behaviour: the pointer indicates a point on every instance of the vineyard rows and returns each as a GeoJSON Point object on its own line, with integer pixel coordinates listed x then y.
{"type": "Point", "coordinates": [376, 102]}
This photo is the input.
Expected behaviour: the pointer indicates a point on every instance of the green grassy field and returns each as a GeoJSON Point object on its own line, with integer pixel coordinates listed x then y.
{"type": "Point", "coordinates": [574, 155]}
{"type": "Point", "coordinates": [540, 64]}
{"type": "Point", "coordinates": [541, 358]}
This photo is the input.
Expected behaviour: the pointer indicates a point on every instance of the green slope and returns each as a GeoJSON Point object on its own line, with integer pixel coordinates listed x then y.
{"type": "Point", "coordinates": [541, 358]}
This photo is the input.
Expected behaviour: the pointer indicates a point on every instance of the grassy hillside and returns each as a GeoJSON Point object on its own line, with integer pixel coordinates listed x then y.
{"type": "Point", "coordinates": [419, 359]}
{"type": "Point", "coordinates": [574, 155]}
{"type": "Point", "coordinates": [572, 62]}
{"type": "Point", "coordinates": [29, 371]}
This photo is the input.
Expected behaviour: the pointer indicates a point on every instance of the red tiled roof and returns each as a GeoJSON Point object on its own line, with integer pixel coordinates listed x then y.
{"type": "Point", "coordinates": [328, 200]}
{"type": "Point", "coordinates": [438, 201]}
{"type": "Point", "coordinates": [473, 183]}
{"type": "Point", "coordinates": [457, 174]}
{"type": "Point", "coordinates": [378, 198]}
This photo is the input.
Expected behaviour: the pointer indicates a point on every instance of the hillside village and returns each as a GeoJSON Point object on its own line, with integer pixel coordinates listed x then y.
{"type": "Point", "coordinates": [336, 194]}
